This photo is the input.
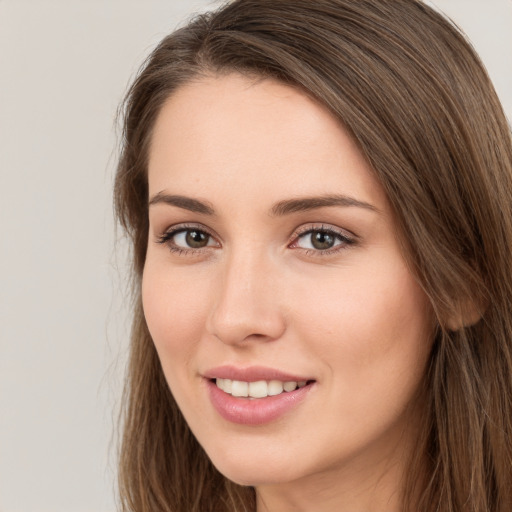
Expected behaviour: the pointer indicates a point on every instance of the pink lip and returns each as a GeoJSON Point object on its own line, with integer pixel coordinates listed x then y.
{"type": "Point", "coordinates": [259, 411]}
{"type": "Point", "coordinates": [252, 374]}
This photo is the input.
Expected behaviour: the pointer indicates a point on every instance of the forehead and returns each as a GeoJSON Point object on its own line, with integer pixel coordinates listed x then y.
{"type": "Point", "coordinates": [255, 136]}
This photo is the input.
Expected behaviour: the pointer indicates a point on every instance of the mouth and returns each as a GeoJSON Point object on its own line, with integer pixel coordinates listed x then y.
{"type": "Point", "coordinates": [256, 395]}
{"type": "Point", "coordinates": [258, 389]}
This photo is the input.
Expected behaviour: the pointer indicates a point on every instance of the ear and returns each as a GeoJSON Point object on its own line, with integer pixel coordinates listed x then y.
{"type": "Point", "coordinates": [468, 313]}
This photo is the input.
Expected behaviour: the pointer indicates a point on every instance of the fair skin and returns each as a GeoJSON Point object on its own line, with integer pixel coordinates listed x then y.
{"type": "Point", "coordinates": [241, 277]}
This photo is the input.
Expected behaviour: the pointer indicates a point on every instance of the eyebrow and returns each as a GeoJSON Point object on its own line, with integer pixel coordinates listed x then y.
{"type": "Point", "coordinates": [281, 208]}
{"type": "Point", "coordinates": [303, 204]}
{"type": "Point", "coordinates": [187, 203]}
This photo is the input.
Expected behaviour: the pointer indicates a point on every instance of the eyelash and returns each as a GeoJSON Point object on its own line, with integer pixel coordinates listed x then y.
{"type": "Point", "coordinates": [340, 236]}
{"type": "Point", "coordinates": [344, 239]}
{"type": "Point", "coordinates": [166, 239]}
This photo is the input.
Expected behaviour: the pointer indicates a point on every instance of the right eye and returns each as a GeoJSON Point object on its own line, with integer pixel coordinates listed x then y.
{"type": "Point", "coordinates": [187, 239]}
{"type": "Point", "coordinates": [193, 239]}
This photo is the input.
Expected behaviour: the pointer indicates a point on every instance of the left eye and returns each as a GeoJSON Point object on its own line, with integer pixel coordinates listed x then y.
{"type": "Point", "coordinates": [192, 239]}
{"type": "Point", "coordinates": [320, 240]}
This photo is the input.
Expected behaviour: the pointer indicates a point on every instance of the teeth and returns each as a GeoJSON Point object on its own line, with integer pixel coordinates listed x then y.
{"type": "Point", "coordinates": [228, 385]}
{"type": "Point", "coordinates": [290, 386]}
{"type": "Point", "coordinates": [239, 388]}
{"type": "Point", "coordinates": [275, 387]}
{"type": "Point", "coordinates": [258, 389]}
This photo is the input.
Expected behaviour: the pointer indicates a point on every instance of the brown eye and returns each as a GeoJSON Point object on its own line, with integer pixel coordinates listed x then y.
{"type": "Point", "coordinates": [196, 239]}
{"type": "Point", "coordinates": [321, 240]}
{"type": "Point", "coordinates": [188, 239]}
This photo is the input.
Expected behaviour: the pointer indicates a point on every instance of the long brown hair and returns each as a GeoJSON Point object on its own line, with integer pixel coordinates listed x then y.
{"type": "Point", "coordinates": [415, 97]}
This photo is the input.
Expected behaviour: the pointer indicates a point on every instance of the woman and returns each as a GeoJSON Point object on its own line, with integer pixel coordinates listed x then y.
{"type": "Point", "coordinates": [318, 196]}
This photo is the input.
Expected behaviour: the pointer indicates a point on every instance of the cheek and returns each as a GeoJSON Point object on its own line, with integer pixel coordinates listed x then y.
{"type": "Point", "coordinates": [372, 327]}
{"type": "Point", "coordinates": [175, 313]}
{"type": "Point", "coordinates": [372, 333]}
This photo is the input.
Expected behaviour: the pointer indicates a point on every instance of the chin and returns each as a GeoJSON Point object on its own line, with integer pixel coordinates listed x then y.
{"type": "Point", "coordinates": [249, 470]}
{"type": "Point", "coordinates": [253, 477]}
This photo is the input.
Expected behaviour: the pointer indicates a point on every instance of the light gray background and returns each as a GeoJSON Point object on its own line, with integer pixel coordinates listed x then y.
{"type": "Point", "coordinates": [64, 66]}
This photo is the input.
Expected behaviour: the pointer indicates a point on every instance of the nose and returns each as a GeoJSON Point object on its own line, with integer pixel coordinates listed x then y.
{"type": "Point", "coordinates": [247, 307]}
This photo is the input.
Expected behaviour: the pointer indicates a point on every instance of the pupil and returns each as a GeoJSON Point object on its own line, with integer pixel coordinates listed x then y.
{"type": "Point", "coordinates": [196, 239]}
{"type": "Point", "coordinates": [322, 240]}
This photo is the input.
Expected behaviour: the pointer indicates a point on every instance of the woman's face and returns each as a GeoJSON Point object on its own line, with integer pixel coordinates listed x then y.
{"type": "Point", "coordinates": [273, 258]}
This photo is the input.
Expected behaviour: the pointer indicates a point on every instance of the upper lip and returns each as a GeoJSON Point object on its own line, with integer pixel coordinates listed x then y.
{"type": "Point", "coordinates": [252, 374]}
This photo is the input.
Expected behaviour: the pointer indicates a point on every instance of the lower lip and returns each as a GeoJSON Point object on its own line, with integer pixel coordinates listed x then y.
{"type": "Point", "coordinates": [257, 411]}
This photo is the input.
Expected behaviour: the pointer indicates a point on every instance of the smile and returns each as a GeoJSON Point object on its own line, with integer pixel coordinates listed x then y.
{"type": "Point", "coordinates": [258, 389]}
{"type": "Point", "coordinates": [255, 395]}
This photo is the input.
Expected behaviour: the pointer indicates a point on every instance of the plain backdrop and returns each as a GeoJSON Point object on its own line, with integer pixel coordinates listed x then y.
{"type": "Point", "coordinates": [64, 66]}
